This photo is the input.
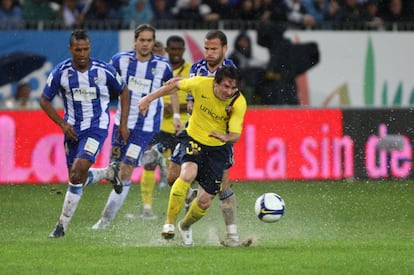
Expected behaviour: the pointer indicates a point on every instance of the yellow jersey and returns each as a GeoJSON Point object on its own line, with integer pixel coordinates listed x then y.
{"type": "Point", "coordinates": [167, 124]}
{"type": "Point", "coordinates": [209, 112]}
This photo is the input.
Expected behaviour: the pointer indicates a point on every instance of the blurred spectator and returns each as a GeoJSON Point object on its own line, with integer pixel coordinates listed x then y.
{"type": "Point", "coordinates": [250, 67]}
{"type": "Point", "coordinates": [137, 12]}
{"type": "Point", "coordinates": [39, 10]}
{"type": "Point", "coordinates": [287, 60]}
{"type": "Point", "coordinates": [71, 13]}
{"type": "Point", "coordinates": [194, 11]}
{"type": "Point", "coordinates": [242, 54]}
{"type": "Point", "coordinates": [103, 13]}
{"type": "Point", "coordinates": [297, 15]}
{"type": "Point", "coordinates": [324, 11]}
{"type": "Point", "coordinates": [351, 12]}
{"type": "Point", "coordinates": [159, 48]}
{"type": "Point", "coordinates": [397, 11]}
{"type": "Point", "coordinates": [370, 15]}
{"type": "Point", "coordinates": [21, 100]}
{"type": "Point", "coordinates": [224, 9]}
{"type": "Point", "coordinates": [249, 11]}
{"type": "Point", "coordinates": [11, 16]}
{"type": "Point", "coordinates": [161, 10]}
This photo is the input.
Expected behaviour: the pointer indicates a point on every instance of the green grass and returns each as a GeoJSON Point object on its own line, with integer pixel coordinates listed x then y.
{"type": "Point", "coordinates": [337, 227]}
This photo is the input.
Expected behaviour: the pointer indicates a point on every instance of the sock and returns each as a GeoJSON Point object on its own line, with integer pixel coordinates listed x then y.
{"type": "Point", "coordinates": [228, 209]}
{"type": "Point", "coordinates": [194, 214]}
{"type": "Point", "coordinates": [114, 203]}
{"type": "Point", "coordinates": [176, 200]}
{"type": "Point", "coordinates": [95, 175]}
{"type": "Point", "coordinates": [72, 198]}
{"type": "Point", "coordinates": [147, 186]}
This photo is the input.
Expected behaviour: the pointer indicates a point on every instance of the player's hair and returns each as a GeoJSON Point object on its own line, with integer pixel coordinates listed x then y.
{"type": "Point", "coordinates": [227, 71]}
{"type": "Point", "coordinates": [213, 34]}
{"type": "Point", "coordinates": [175, 38]}
{"type": "Point", "coordinates": [144, 27]}
{"type": "Point", "coordinates": [79, 34]}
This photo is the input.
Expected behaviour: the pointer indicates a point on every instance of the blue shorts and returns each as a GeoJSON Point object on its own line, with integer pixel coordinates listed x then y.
{"type": "Point", "coordinates": [88, 146]}
{"type": "Point", "coordinates": [211, 161]}
{"type": "Point", "coordinates": [176, 158]}
{"type": "Point", "coordinates": [132, 152]}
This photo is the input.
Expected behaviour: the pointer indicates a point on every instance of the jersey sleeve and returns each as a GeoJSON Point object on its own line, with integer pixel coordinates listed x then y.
{"type": "Point", "coordinates": [237, 116]}
{"type": "Point", "coordinates": [52, 86]}
{"type": "Point", "coordinates": [115, 81]}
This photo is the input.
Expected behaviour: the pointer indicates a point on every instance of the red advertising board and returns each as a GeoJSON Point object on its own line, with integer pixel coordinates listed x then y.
{"type": "Point", "coordinates": [292, 144]}
{"type": "Point", "coordinates": [275, 144]}
{"type": "Point", "coordinates": [31, 149]}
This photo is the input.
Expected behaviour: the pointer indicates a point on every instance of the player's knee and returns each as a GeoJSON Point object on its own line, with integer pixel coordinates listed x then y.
{"type": "Point", "coordinates": [227, 193]}
{"type": "Point", "coordinates": [203, 203]}
{"type": "Point", "coordinates": [150, 166]}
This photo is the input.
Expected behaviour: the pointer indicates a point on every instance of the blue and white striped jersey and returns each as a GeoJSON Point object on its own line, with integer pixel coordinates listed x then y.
{"type": "Point", "coordinates": [200, 67]}
{"type": "Point", "coordinates": [142, 78]}
{"type": "Point", "coordinates": [85, 95]}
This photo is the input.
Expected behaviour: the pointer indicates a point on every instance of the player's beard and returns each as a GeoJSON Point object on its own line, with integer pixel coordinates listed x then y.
{"type": "Point", "coordinates": [215, 62]}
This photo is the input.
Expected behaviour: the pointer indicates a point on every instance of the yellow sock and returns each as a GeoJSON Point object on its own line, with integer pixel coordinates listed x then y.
{"type": "Point", "coordinates": [194, 214]}
{"type": "Point", "coordinates": [147, 186]}
{"type": "Point", "coordinates": [176, 200]}
{"type": "Point", "coordinates": [167, 155]}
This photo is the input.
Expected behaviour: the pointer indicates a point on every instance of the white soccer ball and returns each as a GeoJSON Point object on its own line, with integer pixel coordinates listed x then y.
{"type": "Point", "coordinates": [269, 207]}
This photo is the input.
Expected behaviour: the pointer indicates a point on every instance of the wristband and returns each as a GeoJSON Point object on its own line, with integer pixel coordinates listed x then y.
{"type": "Point", "coordinates": [176, 115]}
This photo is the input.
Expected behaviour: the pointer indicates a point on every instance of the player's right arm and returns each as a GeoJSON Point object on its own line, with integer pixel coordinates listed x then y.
{"type": "Point", "coordinates": [51, 112]}
{"type": "Point", "coordinates": [49, 92]}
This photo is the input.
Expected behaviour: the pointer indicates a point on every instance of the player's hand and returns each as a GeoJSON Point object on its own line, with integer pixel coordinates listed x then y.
{"type": "Point", "coordinates": [69, 131]}
{"type": "Point", "coordinates": [143, 105]}
{"type": "Point", "coordinates": [123, 131]}
{"type": "Point", "coordinates": [178, 125]}
{"type": "Point", "coordinates": [219, 136]}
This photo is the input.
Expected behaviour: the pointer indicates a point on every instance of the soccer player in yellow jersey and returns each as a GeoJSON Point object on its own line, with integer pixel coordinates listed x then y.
{"type": "Point", "coordinates": [217, 119]}
{"type": "Point", "coordinates": [165, 141]}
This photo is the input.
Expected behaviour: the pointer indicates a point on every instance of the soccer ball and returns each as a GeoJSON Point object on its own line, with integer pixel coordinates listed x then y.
{"type": "Point", "coordinates": [269, 207]}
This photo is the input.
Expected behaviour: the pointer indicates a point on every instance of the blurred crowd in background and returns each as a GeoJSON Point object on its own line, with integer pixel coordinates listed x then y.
{"type": "Point", "coordinates": [272, 83]}
{"type": "Point", "coordinates": [126, 14]}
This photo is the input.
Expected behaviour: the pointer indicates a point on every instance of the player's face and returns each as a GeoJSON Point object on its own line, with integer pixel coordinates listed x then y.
{"type": "Point", "coordinates": [144, 44]}
{"type": "Point", "coordinates": [175, 52]}
{"type": "Point", "coordinates": [225, 89]}
{"type": "Point", "coordinates": [80, 51]}
{"type": "Point", "coordinates": [214, 52]}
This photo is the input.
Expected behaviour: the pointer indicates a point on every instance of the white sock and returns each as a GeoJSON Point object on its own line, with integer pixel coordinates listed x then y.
{"type": "Point", "coordinates": [114, 203]}
{"type": "Point", "coordinates": [232, 231]}
{"type": "Point", "coordinates": [95, 175]}
{"type": "Point", "coordinates": [72, 198]}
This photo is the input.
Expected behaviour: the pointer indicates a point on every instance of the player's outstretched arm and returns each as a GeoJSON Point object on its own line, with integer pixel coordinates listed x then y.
{"type": "Point", "coordinates": [171, 86]}
{"type": "Point", "coordinates": [227, 138]}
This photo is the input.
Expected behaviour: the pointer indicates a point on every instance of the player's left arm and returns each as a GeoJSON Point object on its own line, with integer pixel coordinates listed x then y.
{"type": "Point", "coordinates": [235, 124]}
{"type": "Point", "coordinates": [170, 87]}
